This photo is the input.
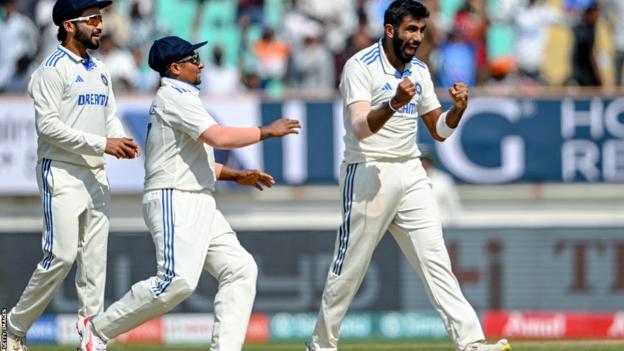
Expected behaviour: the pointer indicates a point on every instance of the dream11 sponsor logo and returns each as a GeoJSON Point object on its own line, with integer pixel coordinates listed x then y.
{"type": "Point", "coordinates": [543, 325]}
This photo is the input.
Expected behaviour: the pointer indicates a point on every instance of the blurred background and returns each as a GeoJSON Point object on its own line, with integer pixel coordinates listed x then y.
{"type": "Point", "coordinates": [530, 186]}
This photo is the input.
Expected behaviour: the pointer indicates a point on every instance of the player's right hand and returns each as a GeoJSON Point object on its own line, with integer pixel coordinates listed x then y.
{"type": "Point", "coordinates": [279, 128]}
{"type": "Point", "coordinates": [404, 93]}
{"type": "Point", "coordinates": [122, 147]}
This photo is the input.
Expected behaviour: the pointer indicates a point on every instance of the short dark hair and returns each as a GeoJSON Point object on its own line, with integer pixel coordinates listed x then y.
{"type": "Point", "coordinates": [402, 8]}
{"type": "Point", "coordinates": [61, 35]}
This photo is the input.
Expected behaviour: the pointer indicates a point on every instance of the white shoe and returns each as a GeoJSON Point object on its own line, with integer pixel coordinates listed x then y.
{"type": "Point", "coordinates": [80, 324]}
{"type": "Point", "coordinates": [501, 345]}
{"type": "Point", "coordinates": [16, 343]}
{"type": "Point", "coordinates": [89, 340]}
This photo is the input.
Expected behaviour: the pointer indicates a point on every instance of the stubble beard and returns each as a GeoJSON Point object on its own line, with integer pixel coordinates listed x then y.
{"type": "Point", "coordinates": [397, 45]}
{"type": "Point", "coordinates": [87, 40]}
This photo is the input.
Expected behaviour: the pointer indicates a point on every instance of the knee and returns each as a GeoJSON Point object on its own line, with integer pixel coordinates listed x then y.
{"type": "Point", "coordinates": [244, 271]}
{"type": "Point", "coordinates": [183, 288]}
{"type": "Point", "coordinates": [65, 260]}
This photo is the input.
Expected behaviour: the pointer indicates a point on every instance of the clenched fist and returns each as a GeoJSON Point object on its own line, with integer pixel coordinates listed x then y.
{"type": "Point", "coordinates": [404, 93]}
{"type": "Point", "coordinates": [459, 94]}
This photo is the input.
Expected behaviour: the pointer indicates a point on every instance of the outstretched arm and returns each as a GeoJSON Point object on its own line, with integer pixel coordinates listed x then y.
{"type": "Point", "coordinates": [442, 124]}
{"type": "Point", "coordinates": [252, 177]}
{"type": "Point", "coordinates": [232, 137]}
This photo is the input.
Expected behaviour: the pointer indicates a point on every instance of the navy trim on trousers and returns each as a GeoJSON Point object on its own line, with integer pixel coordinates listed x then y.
{"type": "Point", "coordinates": [345, 228]}
{"type": "Point", "coordinates": [48, 236]}
{"type": "Point", "coordinates": [168, 241]}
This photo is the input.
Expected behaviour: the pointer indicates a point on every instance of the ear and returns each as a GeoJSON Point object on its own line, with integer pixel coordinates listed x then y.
{"type": "Point", "coordinates": [389, 30]}
{"type": "Point", "coordinates": [69, 28]}
{"type": "Point", "coordinates": [174, 68]}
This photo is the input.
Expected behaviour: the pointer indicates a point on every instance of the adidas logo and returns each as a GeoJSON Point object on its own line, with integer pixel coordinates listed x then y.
{"type": "Point", "coordinates": [387, 87]}
{"type": "Point", "coordinates": [79, 79]}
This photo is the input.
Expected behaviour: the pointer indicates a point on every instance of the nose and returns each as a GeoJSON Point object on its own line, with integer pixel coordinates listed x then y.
{"type": "Point", "coordinates": [419, 36]}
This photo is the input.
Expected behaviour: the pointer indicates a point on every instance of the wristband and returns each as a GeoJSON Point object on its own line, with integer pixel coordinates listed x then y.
{"type": "Point", "coordinates": [442, 128]}
{"type": "Point", "coordinates": [390, 105]}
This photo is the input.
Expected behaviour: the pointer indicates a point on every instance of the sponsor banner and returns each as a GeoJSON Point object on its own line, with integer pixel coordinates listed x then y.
{"type": "Point", "coordinates": [150, 332]}
{"type": "Point", "coordinates": [258, 329]}
{"type": "Point", "coordinates": [411, 325]}
{"type": "Point", "coordinates": [195, 328]}
{"type": "Point", "coordinates": [287, 326]}
{"type": "Point", "coordinates": [66, 329]}
{"type": "Point", "coordinates": [500, 140]}
{"type": "Point", "coordinates": [43, 331]}
{"type": "Point", "coordinates": [554, 325]}
{"type": "Point", "coordinates": [576, 267]}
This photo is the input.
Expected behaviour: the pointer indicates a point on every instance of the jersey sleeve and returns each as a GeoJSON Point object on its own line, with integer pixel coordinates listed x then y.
{"type": "Point", "coordinates": [187, 114]}
{"type": "Point", "coordinates": [429, 101]}
{"type": "Point", "coordinates": [46, 89]}
{"type": "Point", "coordinates": [355, 84]}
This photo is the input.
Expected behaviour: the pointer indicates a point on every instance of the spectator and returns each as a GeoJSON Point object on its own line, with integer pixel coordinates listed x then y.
{"type": "Point", "coordinates": [471, 21]}
{"type": "Point", "coordinates": [615, 15]}
{"type": "Point", "coordinates": [314, 63]}
{"type": "Point", "coordinates": [18, 38]}
{"type": "Point", "coordinates": [338, 17]}
{"type": "Point", "coordinates": [457, 61]}
{"type": "Point", "coordinates": [119, 62]}
{"type": "Point", "coordinates": [252, 8]}
{"type": "Point", "coordinates": [217, 78]}
{"type": "Point", "coordinates": [18, 83]}
{"type": "Point", "coordinates": [272, 60]}
{"type": "Point", "coordinates": [584, 67]}
{"type": "Point", "coordinates": [47, 28]}
{"type": "Point", "coordinates": [117, 25]}
{"type": "Point", "coordinates": [532, 21]}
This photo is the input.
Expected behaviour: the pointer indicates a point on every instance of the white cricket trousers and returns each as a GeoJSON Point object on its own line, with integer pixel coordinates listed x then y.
{"type": "Point", "coordinates": [75, 228]}
{"type": "Point", "coordinates": [190, 235]}
{"type": "Point", "coordinates": [394, 196]}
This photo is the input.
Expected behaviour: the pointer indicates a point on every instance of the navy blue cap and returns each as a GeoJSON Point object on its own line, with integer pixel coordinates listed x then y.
{"type": "Point", "coordinates": [67, 9]}
{"type": "Point", "coordinates": [168, 50]}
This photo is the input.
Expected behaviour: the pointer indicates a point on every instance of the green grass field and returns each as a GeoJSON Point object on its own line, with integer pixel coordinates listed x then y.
{"type": "Point", "coordinates": [599, 345]}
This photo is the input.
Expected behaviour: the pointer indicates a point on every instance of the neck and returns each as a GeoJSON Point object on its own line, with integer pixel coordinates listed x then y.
{"type": "Point", "coordinates": [392, 58]}
{"type": "Point", "coordinates": [76, 47]}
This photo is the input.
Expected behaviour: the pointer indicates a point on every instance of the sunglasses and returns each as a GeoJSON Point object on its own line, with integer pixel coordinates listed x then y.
{"type": "Point", "coordinates": [194, 59]}
{"type": "Point", "coordinates": [92, 20]}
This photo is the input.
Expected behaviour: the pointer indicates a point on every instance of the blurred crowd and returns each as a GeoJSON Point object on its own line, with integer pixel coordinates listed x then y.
{"type": "Point", "coordinates": [276, 46]}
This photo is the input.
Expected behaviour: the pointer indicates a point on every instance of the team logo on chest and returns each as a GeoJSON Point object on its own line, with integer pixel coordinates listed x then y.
{"type": "Point", "coordinates": [418, 88]}
{"type": "Point", "coordinates": [104, 79]}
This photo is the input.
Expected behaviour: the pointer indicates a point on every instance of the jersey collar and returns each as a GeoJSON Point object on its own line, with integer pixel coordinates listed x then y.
{"type": "Point", "coordinates": [87, 62]}
{"type": "Point", "coordinates": [388, 68]}
{"type": "Point", "coordinates": [180, 84]}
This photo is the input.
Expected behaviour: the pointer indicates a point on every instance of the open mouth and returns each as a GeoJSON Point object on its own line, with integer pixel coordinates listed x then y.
{"type": "Point", "coordinates": [410, 49]}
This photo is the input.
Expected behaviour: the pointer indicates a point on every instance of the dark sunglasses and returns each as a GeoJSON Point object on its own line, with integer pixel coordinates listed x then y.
{"type": "Point", "coordinates": [92, 20]}
{"type": "Point", "coordinates": [194, 59]}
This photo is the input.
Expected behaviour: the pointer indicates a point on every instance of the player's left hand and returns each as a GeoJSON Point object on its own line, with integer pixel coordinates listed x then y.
{"type": "Point", "coordinates": [255, 178]}
{"type": "Point", "coordinates": [459, 94]}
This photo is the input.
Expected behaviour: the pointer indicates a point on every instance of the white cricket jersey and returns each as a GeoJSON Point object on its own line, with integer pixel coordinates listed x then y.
{"type": "Point", "coordinates": [75, 109]}
{"type": "Point", "coordinates": [369, 76]}
{"type": "Point", "coordinates": [174, 157]}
